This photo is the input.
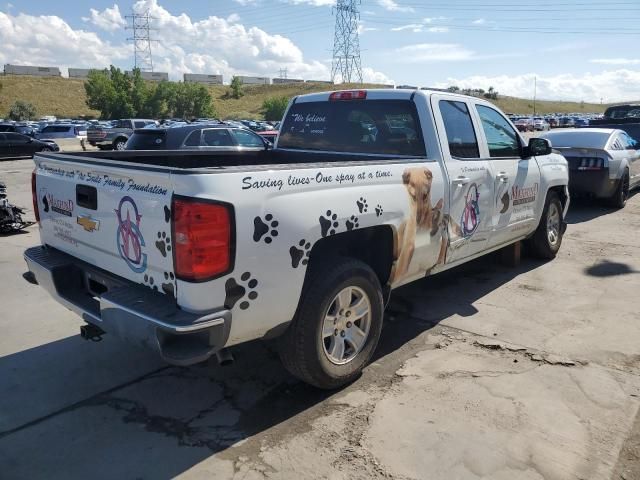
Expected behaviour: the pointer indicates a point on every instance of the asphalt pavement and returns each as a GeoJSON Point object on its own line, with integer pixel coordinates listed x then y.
{"type": "Point", "coordinates": [483, 372]}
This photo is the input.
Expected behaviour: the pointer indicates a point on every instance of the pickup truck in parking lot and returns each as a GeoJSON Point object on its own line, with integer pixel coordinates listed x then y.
{"type": "Point", "coordinates": [115, 138]}
{"type": "Point", "coordinates": [192, 252]}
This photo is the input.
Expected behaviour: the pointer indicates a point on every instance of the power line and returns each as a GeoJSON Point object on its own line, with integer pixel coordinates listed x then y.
{"type": "Point", "coordinates": [346, 43]}
{"type": "Point", "coordinates": [141, 26]}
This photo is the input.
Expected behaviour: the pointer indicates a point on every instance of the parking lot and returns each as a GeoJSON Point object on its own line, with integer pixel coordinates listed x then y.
{"type": "Point", "coordinates": [486, 371]}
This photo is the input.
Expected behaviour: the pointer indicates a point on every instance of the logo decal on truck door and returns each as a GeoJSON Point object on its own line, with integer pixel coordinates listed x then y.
{"type": "Point", "coordinates": [471, 213]}
{"type": "Point", "coordinates": [128, 237]}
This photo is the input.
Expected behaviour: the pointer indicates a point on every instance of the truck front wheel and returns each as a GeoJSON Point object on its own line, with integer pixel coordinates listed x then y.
{"type": "Point", "coordinates": [337, 325]}
{"type": "Point", "coordinates": [547, 238]}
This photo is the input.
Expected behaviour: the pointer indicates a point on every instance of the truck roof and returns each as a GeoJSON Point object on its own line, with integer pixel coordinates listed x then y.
{"type": "Point", "coordinates": [378, 94]}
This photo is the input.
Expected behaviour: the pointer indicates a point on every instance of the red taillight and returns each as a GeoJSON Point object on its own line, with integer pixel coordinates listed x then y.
{"type": "Point", "coordinates": [34, 195]}
{"type": "Point", "coordinates": [349, 95]}
{"type": "Point", "coordinates": [202, 239]}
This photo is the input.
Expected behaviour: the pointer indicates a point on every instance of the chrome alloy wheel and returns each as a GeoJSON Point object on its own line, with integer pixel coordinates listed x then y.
{"type": "Point", "coordinates": [553, 224]}
{"type": "Point", "coordinates": [346, 325]}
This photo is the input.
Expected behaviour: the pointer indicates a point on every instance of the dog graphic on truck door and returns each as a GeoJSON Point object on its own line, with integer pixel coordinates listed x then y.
{"type": "Point", "coordinates": [423, 217]}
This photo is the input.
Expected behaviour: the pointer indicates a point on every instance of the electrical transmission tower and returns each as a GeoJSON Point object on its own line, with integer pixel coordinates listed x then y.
{"type": "Point", "coordinates": [283, 73]}
{"type": "Point", "coordinates": [141, 26]}
{"type": "Point", "coordinates": [346, 43]}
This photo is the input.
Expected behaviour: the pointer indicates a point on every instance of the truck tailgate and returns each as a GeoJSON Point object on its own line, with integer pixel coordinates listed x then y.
{"type": "Point", "coordinates": [114, 218]}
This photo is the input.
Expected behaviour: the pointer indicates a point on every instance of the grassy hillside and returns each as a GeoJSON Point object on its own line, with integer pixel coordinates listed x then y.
{"type": "Point", "coordinates": [65, 97]}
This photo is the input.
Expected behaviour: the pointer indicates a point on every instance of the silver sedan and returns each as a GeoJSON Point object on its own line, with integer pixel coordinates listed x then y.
{"type": "Point", "coordinates": [603, 162]}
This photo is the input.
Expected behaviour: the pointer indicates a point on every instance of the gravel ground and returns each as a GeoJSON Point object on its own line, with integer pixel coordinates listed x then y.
{"type": "Point", "coordinates": [483, 372]}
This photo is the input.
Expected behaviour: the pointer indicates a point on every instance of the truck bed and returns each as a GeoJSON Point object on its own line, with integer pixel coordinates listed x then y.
{"type": "Point", "coordinates": [189, 159]}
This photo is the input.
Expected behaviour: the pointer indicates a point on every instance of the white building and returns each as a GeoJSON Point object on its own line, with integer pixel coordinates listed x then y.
{"type": "Point", "coordinates": [203, 78]}
{"type": "Point", "coordinates": [254, 80]}
{"type": "Point", "coordinates": [31, 70]}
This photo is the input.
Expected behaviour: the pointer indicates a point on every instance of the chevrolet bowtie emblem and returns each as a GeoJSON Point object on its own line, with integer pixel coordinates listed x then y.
{"type": "Point", "coordinates": [88, 223]}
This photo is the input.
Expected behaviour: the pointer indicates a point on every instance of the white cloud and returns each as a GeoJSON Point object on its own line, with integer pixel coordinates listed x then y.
{"type": "Point", "coordinates": [616, 61]}
{"type": "Point", "coordinates": [109, 19]}
{"type": "Point", "coordinates": [433, 52]}
{"type": "Point", "coordinates": [393, 6]}
{"type": "Point", "coordinates": [314, 3]}
{"type": "Point", "coordinates": [209, 45]}
{"type": "Point", "coordinates": [479, 21]}
{"type": "Point", "coordinates": [430, 20]}
{"type": "Point", "coordinates": [246, 2]}
{"type": "Point", "coordinates": [415, 27]}
{"type": "Point", "coordinates": [369, 75]}
{"type": "Point", "coordinates": [611, 86]}
{"type": "Point", "coordinates": [50, 41]}
{"type": "Point", "coordinates": [438, 29]}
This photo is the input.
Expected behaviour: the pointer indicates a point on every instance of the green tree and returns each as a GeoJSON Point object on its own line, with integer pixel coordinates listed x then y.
{"type": "Point", "coordinates": [119, 95]}
{"type": "Point", "coordinates": [22, 110]}
{"type": "Point", "coordinates": [110, 92]}
{"type": "Point", "coordinates": [236, 87]}
{"type": "Point", "coordinates": [190, 100]}
{"type": "Point", "coordinates": [273, 108]}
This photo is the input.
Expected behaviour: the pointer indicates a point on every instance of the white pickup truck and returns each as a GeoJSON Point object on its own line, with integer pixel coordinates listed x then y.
{"type": "Point", "coordinates": [193, 252]}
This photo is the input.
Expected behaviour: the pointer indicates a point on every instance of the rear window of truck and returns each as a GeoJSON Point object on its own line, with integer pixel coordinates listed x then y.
{"type": "Point", "coordinates": [386, 127]}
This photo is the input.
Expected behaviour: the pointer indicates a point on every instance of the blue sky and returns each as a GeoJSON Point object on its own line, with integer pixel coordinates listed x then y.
{"type": "Point", "coordinates": [577, 49]}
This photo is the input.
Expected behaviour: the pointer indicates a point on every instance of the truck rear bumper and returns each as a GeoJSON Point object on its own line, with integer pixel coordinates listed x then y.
{"type": "Point", "coordinates": [128, 310]}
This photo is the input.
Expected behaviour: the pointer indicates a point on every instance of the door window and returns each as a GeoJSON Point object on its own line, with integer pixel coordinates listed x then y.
{"type": "Point", "coordinates": [248, 139]}
{"type": "Point", "coordinates": [218, 137]}
{"type": "Point", "coordinates": [628, 143]}
{"type": "Point", "coordinates": [501, 137]}
{"type": "Point", "coordinates": [461, 136]}
{"type": "Point", "coordinates": [16, 138]}
{"type": "Point", "coordinates": [193, 140]}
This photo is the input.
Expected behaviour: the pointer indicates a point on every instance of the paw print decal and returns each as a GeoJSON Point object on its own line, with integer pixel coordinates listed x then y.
{"type": "Point", "coordinates": [300, 256]}
{"type": "Point", "coordinates": [163, 244]}
{"type": "Point", "coordinates": [263, 227]}
{"type": "Point", "coordinates": [362, 205]}
{"type": "Point", "coordinates": [168, 286]}
{"type": "Point", "coordinates": [150, 282]}
{"type": "Point", "coordinates": [379, 210]}
{"type": "Point", "coordinates": [328, 223]}
{"type": "Point", "coordinates": [352, 223]}
{"type": "Point", "coordinates": [245, 291]}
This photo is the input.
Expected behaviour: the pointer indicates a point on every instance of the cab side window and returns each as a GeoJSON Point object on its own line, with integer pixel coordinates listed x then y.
{"type": "Point", "coordinates": [461, 136]}
{"type": "Point", "coordinates": [501, 137]}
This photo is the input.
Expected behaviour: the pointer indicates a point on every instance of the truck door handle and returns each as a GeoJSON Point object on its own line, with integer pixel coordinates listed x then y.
{"type": "Point", "coordinates": [458, 182]}
{"type": "Point", "coordinates": [503, 177]}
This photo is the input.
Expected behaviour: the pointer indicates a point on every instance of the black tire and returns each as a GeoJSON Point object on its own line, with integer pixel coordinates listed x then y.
{"type": "Point", "coordinates": [619, 198]}
{"type": "Point", "coordinates": [302, 346]}
{"type": "Point", "coordinates": [540, 244]}
{"type": "Point", "coordinates": [119, 143]}
{"type": "Point", "coordinates": [103, 147]}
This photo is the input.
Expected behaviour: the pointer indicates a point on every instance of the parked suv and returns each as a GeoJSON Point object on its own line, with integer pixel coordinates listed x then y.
{"type": "Point", "coordinates": [63, 131]}
{"type": "Point", "coordinates": [197, 137]}
{"type": "Point", "coordinates": [115, 138]}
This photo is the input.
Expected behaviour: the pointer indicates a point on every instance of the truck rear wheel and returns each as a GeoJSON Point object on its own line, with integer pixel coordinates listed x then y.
{"type": "Point", "coordinates": [547, 238]}
{"type": "Point", "coordinates": [337, 325]}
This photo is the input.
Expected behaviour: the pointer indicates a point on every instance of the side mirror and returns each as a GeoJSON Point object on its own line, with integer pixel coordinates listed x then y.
{"type": "Point", "coordinates": [537, 147]}
{"type": "Point", "coordinates": [267, 144]}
